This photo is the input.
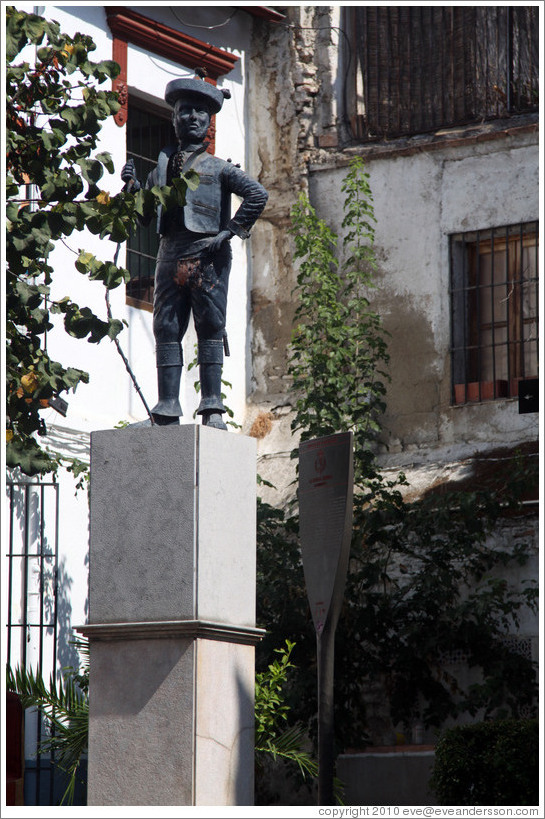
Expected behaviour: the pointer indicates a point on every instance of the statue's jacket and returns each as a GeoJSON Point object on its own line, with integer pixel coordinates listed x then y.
{"type": "Point", "coordinates": [208, 208]}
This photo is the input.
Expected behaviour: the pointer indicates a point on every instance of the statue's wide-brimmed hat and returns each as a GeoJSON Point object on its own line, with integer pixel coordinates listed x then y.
{"type": "Point", "coordinates": [195, 87]}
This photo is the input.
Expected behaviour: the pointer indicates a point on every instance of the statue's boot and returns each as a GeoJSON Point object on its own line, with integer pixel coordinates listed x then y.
{"type": "Point", "coordinates": [169, 372]}
{"type": "Point", "coordinates": [210, 366]}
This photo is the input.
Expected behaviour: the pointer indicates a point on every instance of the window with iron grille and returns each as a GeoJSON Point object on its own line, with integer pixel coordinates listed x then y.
{"type": "Point", "coordinates": [494, 311]}
{"type": "Point", "coordinates": [421, 68]}
{"type": "Point", "coordinates": [148, 130]}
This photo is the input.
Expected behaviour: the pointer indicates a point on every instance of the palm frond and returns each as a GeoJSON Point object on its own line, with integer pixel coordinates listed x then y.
{"type": "Point", "coordinates": [289, 746]}
{"type": "Point", "coordinates": [65, 707]}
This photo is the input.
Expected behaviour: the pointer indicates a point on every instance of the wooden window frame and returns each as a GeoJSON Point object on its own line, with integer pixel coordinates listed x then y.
{"type": "Point", "coordinates": [139, 291]}
{"type": "Point", "coordinates": [129, 26]}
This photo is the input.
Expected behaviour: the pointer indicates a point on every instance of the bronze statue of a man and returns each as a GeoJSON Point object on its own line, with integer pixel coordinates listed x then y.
{"type": "Point", "coordinates": [194, 257]}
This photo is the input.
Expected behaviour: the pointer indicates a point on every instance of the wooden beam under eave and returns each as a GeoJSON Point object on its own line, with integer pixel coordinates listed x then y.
{"type": "Point", "coordinates": [168, 42]}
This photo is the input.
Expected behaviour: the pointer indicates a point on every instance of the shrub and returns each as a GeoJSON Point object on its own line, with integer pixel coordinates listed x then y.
{"type": "Point", "coordinates": [488, 763]}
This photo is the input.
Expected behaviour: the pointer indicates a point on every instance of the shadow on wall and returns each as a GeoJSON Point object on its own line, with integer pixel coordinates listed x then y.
{"type": "Point", "coordinates": [243, 762]}
{"type": "Point", "coordinates": [392, 776]}
{"type": "Point", "coordinates": [414, 393]}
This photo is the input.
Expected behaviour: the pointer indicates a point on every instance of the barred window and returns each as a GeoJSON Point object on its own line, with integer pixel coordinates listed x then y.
{"type": "Point", "coordinates": [494, 318]}
{"type": "Point", "coordinates": [148, 130]}
{"type": "Point", "coordinates": [419, 69]}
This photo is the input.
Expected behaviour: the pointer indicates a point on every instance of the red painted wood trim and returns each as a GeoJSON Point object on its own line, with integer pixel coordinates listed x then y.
{"type": "Point", "coordinates": [128, 25]}
{"type": "Point", "coordinates": [119, 55]}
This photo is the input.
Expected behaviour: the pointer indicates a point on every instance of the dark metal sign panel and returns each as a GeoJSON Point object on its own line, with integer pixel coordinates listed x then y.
{"type": "Point", "coordinates": [326, 479]}
{"type": "Point", "coordinates": [529, 395]}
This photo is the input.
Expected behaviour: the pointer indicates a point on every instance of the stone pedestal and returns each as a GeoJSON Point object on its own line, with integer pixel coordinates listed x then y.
{"type": "Point", "coordinates": [172, 617]}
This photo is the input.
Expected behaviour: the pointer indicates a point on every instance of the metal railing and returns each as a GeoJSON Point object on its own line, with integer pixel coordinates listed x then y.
{"type": "Point", "coordinates": [494, 296]}
{"type": "Point", "coordinates": [32, 614]}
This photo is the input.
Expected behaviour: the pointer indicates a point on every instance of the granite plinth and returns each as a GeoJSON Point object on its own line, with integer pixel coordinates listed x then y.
{"type": "Point", "coordinates": [172, 617]}
{"type": "Point", "coordinates": [173, 517]}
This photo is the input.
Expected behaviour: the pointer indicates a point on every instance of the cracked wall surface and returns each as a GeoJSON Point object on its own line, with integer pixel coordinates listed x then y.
{"type": "Point", "coordinates": [425, 188]}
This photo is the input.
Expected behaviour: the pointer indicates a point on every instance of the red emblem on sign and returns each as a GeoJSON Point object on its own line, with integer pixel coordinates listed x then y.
{"type": "Point", "coordinates": [320, 462]}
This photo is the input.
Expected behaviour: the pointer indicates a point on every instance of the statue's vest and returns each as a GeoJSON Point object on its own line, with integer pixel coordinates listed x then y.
{"type": "Point", "coordinates": [208, 207]}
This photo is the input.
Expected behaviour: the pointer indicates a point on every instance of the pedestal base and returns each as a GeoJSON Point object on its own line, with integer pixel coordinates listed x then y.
{"type": "Point", "coordinates": [172, 617]}
{"type": "Point", "coordinates": [171, 722]}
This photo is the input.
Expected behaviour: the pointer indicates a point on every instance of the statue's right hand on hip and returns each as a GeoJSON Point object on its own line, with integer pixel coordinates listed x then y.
{"type": "Point", "coordinates": [216, 242]}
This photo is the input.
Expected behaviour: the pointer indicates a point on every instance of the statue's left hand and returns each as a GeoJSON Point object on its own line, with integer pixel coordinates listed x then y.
{"type": "Point", "coordinates": [216, 242]}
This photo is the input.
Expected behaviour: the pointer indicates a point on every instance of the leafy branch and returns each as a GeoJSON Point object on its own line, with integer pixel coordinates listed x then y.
{"type": "Point", "coordinates": [339, 353]}
{"type": "Point", "coordinates": [55, 111]}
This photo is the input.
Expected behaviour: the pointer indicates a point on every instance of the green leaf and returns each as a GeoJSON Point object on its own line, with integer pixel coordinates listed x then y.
{"type": "Point", "coordinates": [91, 169]}
{"type": "Point", "coordinates": [118, 231]}
{"type": "Point", "coordinates": [144, 202]}
{"type": "Point", "coordinates": [73, 116]}
{"type": "Point", "coordinates": [114, 328]}
{"type": "Point", "coordinates": [86, 261]}
{"type": "Point", "coordinates": [29, 294]}
{"type": "Point", "coordinates": [161, 194]}
{"type": "Point", "coordinates": [106, 159]}
{"type": "Point", "coordinates": [191, 178]}
{"type": "Point", "coordinates": [180, 187]}
{"type": "Point", "coordinates": [106, 68]}
{"type": "Point", "coordinates": [26, 454]}
{"type": "Point", "coordinates": [35, 28]}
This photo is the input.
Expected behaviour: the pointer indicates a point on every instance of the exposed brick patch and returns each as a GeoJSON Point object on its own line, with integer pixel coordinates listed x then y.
{"type": "Point", "coordinates": [262, 425]}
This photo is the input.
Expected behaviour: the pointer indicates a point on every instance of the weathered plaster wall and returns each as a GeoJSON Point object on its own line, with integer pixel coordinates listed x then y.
{"type": "Point", "coordinates": [419, 201]}
{"type": "Point", "coordinates": [291, 94]}
{"type": "Point", "coordinates": [424, 189]}
{"type": "Point", "coordinates": [293, 99]}
{"type": "Point", "coordinates": [279, 105]}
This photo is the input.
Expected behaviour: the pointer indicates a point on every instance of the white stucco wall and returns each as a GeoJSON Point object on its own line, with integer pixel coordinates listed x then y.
{"type": "Point", "coordinates": [110, 396]}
